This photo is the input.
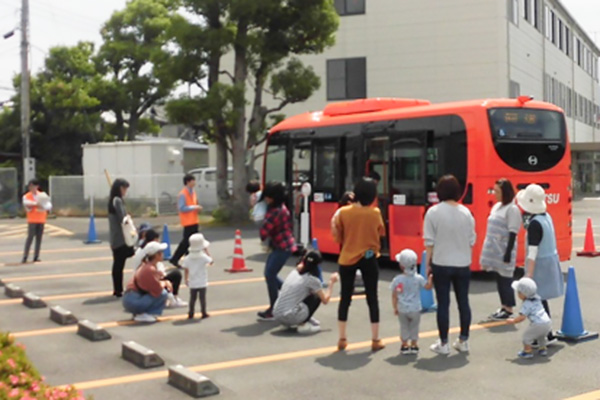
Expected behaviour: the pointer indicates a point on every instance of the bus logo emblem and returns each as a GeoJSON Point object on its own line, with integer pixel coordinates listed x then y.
{"type": "Point", "coordinates": [533, 160]}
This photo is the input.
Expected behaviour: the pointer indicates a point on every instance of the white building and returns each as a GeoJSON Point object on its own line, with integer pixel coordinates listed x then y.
{"type": "Point", "coordinates": [445, 50]}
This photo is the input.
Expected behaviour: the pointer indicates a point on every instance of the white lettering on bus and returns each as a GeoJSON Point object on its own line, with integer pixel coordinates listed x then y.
{"type": "Point", "coordinates": [552, 198]}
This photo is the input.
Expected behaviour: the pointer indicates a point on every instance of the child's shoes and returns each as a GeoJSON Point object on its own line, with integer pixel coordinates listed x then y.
{"type": "Point", "coordinates": [525, 354]}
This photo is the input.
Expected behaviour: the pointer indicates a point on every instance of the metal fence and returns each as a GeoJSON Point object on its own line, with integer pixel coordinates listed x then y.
{"type": "Point", "coordinates": [147, 195]}
{"type": "Point", "coordinates": [9, 192]}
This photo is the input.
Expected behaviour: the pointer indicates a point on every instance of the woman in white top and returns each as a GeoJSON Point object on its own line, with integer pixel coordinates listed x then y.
{"type": "Point", "coordinates": [499, 251]}
{"type": "Point", "coordinates": [449, 235]}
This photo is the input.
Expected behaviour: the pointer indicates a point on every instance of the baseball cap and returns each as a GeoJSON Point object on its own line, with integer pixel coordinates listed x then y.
{"type": "Point", "coordinates": [407, 258]}
{"type": "Point", "coordinates": [526, 286]}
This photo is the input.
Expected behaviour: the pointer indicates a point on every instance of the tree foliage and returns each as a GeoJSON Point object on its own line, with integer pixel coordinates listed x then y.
{"type": "Point", "coordinates": [65, 111]}
{"type": "Point", "coordinates": [135, 58]}
{"type": "Point", "coordinates": [261, 36]}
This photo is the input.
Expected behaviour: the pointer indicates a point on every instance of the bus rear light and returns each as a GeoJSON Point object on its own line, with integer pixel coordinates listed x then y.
{"type": "Point", "coordinates": [490, 204]}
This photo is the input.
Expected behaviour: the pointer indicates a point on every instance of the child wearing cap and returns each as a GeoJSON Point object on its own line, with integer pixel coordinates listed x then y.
{"type": "Point", "coordinates": [196, 275]}
{"type": "Point", "coordinates": [406, 300]}
{"type": "Point", "coordinates": [533, 310]}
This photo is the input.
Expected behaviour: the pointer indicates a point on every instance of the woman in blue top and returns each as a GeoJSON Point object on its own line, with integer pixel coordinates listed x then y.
{"type": "Point", "coordinates": [542, 263]}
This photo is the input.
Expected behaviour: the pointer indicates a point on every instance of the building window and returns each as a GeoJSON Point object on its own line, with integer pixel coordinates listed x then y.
{"type": "Point", "coordinates": [514, 89]}
{"type": "Point", "coordinates": [350, 7]}
{"type": "Point", "coordinates": [527, 10]}
{"type": "Point", "coordinates": [513, 11]}
{"type": "Point", "coordinates": [561, 35]}
{"type": "Point", "coordinates": [347, 79]}
{"type": "Point", "coordinates": [536, 14]}
{"type": "Point", "coordinates": [567, 41]}
{"type": "Point", "coordinates": [553, 27]}
{"type": "Point", "coordinates": [548, 23]}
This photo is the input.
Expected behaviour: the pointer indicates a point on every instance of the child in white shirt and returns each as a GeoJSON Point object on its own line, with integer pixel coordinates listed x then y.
{"type": "Point", "coordinates": [196, 275]}
{"type": "Point", "coordinates": [533, 310]}
{"type": "Point", "coordinates": [406, 300]}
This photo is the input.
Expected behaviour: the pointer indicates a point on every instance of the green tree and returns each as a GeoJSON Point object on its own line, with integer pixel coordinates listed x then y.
{"type": "Point", "coordinates": [135, 57]}
{"type": "Point", "coordinates": [65, 111]}
{"type": "Point", "coordinates": [262, 36]}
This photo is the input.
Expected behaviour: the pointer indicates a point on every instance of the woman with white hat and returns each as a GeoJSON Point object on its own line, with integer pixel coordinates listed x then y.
{"type": "Point", "coordinates": [146, 294]}
{"type": "Point", "coordinates": [542, 263]}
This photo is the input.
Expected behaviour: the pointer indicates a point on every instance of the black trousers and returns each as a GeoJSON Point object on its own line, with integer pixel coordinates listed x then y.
{"type": "Point", "coordinates": [174, 276]}
{"type": "Point", "coordinates": [184, 245]}
{"type": "Point", "coordinates": [312, 302]}
{"type": "Point", "coordinates": [120, 255]}
{"type": "Point", "coordinates": [194, 294]}
{"type": "Point", "coordinates": [37, 231]}
{"type": "Point", "coordinates": [505, 290]}
{"type": "Point", "coordinates": [370, 273]}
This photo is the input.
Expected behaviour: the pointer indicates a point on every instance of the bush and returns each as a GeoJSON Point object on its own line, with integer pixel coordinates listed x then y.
{"type": "Point", "coordinates": [222, 214]}
{"type": "Point", "coordinates": [20, 380]}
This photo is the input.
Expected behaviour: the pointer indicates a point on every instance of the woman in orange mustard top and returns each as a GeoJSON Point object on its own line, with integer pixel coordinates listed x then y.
{"type": "Point", "coordinates": [359, 229]}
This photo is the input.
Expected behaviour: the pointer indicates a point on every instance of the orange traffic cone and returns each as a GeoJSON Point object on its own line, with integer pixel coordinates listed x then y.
{"type": "Point", "coordinates": [238, 264]}
{"type": "Point", "coordinates": [589, 248]}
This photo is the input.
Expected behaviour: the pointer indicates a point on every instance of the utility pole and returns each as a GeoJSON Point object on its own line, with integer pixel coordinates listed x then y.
{"type": "Point", "coordinates": [28, 162]}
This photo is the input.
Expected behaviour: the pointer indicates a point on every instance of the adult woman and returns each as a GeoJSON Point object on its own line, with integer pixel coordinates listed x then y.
{"type": "Point", "coordinates": [449, 235]}
{"type": "Point", "coordinates": [174, 275]}
{"type": "Point", "coordinates": [301, 294]}
{"type": "Point", "coordinates": [120, 250]}
{"type": "Point", "coordinates": [146, 294]}
{"type": "Point", "coordinates": [277, 228]}
{"type": "Point", "coordinates": [542, 263]}
{"type": "Point", "coordinates": [359, 228]}
{"type": "Point", "coordinates": [499, 251]}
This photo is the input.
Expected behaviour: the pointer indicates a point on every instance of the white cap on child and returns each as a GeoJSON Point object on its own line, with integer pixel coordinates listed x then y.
{"type": "Point", "coordinates": [407, 260]}
{"type": "Point", "coordinates": [526, 286]}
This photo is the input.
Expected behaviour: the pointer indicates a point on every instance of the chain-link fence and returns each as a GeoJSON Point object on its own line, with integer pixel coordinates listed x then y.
{"type": "Point", "coordinates": [9, 192]}
{"type": "Point", "coordinates": [147, 195]}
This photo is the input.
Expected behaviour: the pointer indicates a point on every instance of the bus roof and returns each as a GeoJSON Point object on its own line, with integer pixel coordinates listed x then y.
{"type": "Point", "coordinates": [381, 109]}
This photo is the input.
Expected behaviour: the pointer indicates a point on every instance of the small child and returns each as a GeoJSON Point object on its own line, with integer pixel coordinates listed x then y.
{"type": "Point", "coordinates": [532, 309]}
{"type": "Point", "coordinates": [196, 276]}
{"type": "Point", "coordinates": [406, 300]}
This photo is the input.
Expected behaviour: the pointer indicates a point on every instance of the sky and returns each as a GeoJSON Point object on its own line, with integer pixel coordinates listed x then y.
{"type": "Point", "coordinates": [65, 22]}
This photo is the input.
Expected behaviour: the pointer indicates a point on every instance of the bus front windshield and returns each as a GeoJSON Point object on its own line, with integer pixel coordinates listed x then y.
{"type": "Point", "coordinates": [529, 140]}
{"type": "Point", "coordinates": [527, 124]}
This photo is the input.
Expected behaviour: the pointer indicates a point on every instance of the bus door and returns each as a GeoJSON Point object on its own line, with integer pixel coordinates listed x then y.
{"type": "Point", "coordinates": [409, 182]}
{"type": "Point", "coordinates": [301, 172]}
{"type": "Point", "coordinates": [377, 155]}
{"type": "Point", "coordinates": [326, 186]}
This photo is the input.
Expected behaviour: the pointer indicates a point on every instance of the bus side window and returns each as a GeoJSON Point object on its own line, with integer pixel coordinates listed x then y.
{"type": "Point", "coordinates": [325, 168]}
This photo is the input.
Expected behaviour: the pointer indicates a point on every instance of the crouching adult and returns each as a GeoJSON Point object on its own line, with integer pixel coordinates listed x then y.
{"type": "Point", "coordinates": [301, 294]}
{"type": "Point", "coordinates": [146, 294]}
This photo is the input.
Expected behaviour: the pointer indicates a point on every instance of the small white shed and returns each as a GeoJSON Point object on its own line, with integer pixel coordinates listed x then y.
{"type": "Point", "coordinates": [151, 167]}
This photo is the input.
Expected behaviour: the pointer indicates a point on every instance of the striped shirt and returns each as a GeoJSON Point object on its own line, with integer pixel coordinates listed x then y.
{"type": "Point", "coordinates": [289, 307]}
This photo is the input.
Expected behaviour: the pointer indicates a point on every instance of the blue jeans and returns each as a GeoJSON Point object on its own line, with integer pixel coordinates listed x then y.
{"type": "Point", "coordinates": [275, 262]}
{"type": "Point", "coordinates": [459, 277]}
{"type": "Point", "coordinates": [137, 303]}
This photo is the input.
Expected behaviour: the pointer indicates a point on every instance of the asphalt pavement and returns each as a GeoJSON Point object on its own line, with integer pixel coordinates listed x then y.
{"type": "Point", "coordinates": [249, 359]}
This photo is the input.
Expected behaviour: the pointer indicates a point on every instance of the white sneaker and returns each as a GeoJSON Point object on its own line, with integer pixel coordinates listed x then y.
{"type": "Point", "coordinates": [462, 347]}
{"type": "Point", "coordinates": [314, 321]}
{"type": "Point", "coordinates": [170, 301]}
{"type": "Point", "coordinates": [307, 327]}
{"type": "Point", "coordinates": [144, 318]}
{"type": "Point", "coordinates": [438, 347]}
{"type": "Point", "coordinates": [178, 303]}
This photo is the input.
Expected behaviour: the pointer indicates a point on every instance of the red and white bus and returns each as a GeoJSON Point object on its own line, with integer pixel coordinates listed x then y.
{"type": "Point", "coordinates": [410, 144]}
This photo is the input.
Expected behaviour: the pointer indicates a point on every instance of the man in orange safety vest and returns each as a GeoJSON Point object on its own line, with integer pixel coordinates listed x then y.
{"type": "Point", "coordinates": [36, 204]}
{"type": "Point", "coordinates": [188, 206]}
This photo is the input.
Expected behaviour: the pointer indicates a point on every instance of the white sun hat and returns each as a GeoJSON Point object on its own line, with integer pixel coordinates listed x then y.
{"type": "Point", "coordinates": [532, 199]}
{"type": "Point", "coordinates": [198, 243]}
{"type": "Point", "coordinates": [154, 247]}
